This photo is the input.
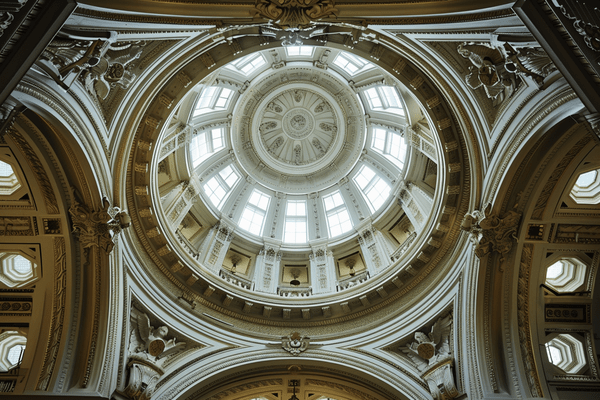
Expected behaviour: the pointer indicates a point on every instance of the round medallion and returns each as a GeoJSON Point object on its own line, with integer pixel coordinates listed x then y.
{"type": "Point", "coordinates": [297, 132]}
{"type": "Point", "coordinates": [426, 350]}
{"type": "Point", "coordinates": [298, 123]}
{"type": "Point", "coordinates": [156, 347]}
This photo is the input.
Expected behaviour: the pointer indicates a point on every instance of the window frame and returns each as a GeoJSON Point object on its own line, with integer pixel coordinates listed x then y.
{"type": "Point", "coordinates": [387, 145]}
{"type": "Point", "coordinates": [335, 211]}
{"type": "Point", "coordinates": [221, 181]}
{"type": "Point", "coordinates": [213, 100]}
{"type": "Point", "coordinates": [295, 219]}
{"type": "Point", "coordinates": [370, 186]}
{"type": "Point", "coordinates": [382, 97]}
{"type": "Point", "coordinates": [209, 143]}
{"type": "Point", "coordinates": [256, 210]}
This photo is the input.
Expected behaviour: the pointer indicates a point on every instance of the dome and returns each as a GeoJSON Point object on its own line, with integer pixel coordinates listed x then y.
{"type": "Point", "coordinates": [295, 178]}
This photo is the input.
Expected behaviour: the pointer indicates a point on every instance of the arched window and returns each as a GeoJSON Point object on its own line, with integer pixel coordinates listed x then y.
{"type": "Point", "coordinates": [338, 219]}
{"type": "Point", "coordinates": [253, 216]}
{"type": "Point", "coordinates": [213, 98]}
{"type": "Point", "coordinates": [220, 186]}
{"type": "Point", "coordinates": [385, 98]}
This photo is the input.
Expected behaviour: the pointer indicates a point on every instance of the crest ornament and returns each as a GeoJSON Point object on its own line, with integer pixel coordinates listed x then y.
{"type": "Point", "coordinates": [295, 14]}
{"type": "Point", "coordinates": [294, 343]}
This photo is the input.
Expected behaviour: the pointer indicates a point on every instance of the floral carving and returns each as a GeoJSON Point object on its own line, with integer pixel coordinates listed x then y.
{"type": "Point", "coordinates": [295, 14]}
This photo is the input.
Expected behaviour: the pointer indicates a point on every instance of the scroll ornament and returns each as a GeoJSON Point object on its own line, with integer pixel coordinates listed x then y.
{"type": "Point", "coordinates": [295, 14]}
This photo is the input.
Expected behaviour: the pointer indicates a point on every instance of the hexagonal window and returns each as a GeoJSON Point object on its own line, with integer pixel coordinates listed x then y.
{"type": "Point", "coordinates": [17, 270]}
{"type": "Point", "coordinates": [12, 347]}
{"type": "Point", "coordinates": [9, 183]}
{"type": "Point", "coordinates": [566, 275]}
{"type": "Point", "coordinates": [566, 352]}
{"type": "Point", "coordinates": [587, 188]}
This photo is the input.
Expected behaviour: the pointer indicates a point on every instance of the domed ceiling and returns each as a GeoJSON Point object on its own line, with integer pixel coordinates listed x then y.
{"type": "Point", "coordinates": [300, 182]}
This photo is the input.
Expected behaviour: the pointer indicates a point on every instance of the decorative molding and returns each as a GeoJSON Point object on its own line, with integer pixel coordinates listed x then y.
{"type": "Point", "coordinates": [533, 379]}
{"type": "Point", "coordinates": [59, 300]}
{"type": "Point", "coordinates": [292, 14]}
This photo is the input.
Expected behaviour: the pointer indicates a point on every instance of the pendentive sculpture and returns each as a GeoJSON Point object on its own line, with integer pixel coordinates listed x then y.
{"type": "Point", "coordinates": [432, 355]}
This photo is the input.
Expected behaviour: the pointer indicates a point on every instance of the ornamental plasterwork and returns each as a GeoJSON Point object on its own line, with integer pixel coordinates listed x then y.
{"type": "Point", "coordinates": [150, 350]}
{"type": "Point", "coordinates": [490, 232]}
{"type": "Point", "coordinates": [298, 119]}
{"type": "Point", "coordinates": [98, 228]}
{"type": "Point", "coordinates": [432, 355]}
{"type": "Point", "coordinates": [296, 132]}
{"type": "Point", "coordinates": [294, 14]}
{"type": "Point", "coordinates": [295, 343]}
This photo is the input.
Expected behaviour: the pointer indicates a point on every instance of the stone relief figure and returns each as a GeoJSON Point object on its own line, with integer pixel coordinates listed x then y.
{"type": "Point", "coordinates": [432, 356]}
{"type": "Point", "coordinates": [153, 340]}
{"type": "Point", "coordinates": [497, 83]}
{"type": "Point", "coordinates": [276, 144]}
{"type": "Point", "coordinates": [149, 350]}
{"type": "Point", "coordinates": [113, 69]}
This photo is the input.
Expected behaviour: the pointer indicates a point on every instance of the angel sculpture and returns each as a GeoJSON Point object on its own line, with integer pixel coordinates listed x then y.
{"type": "Point", "coordinates": [432, 348]}
{"type": "Point", "coordinates": [154, 339]}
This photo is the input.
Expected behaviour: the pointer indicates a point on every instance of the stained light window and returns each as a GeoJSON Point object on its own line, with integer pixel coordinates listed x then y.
{"type": "Point", "coordinates": [338, 218]}
{"type": "Point", "coordinates": [374, 189]}
{"type": "Point", "coordinates": [213, 98]}
{"type": "Point", "coordinates": [299, 51]}
{"type": "Point", "coordinates": [206, 143]}
{"type": "Point", "coordinates": [295, 229]}
{"type": "Point", "coordinates": [253, 216]}
{"type": "Point", "coordinates": [351, 63]}
{"type": "Point", "coordinates": [587, 188]}
{"type": "Point", "coordinates": [219, 186]}
{"type": "Point", "coordinates": [249, 64]}
{"type": "Point", "coordinates": [384, 98]}
{"type": "Point", "coordinates": [390, 144]}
